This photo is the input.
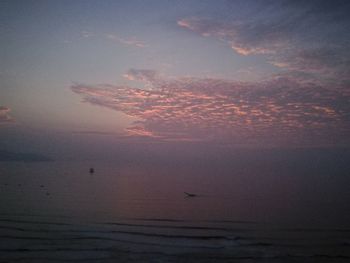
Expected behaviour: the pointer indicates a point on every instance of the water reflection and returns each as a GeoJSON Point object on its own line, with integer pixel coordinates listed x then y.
{"type": "Point", "coordinates": [279, 192]}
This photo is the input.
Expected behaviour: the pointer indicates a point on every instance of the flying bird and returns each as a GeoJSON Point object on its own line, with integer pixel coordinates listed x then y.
{"type": "Point", "coordinates": [190, 195]}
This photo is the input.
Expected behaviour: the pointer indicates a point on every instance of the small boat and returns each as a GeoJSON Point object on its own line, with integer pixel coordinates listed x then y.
{"type": "Point", "coordinates": [190, 195]}
{"type": "Point", "coordinates": [91, 170]}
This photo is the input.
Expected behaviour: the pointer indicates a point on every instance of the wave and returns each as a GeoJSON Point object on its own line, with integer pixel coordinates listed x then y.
{"type": "Point", "coordinates": [197, 221]}
{"type": "Point", "coordinates": [27, 238]}
{"type": "Point", "coordinates": [34, 222]}
{"type": "Point", "coordinates": [99, 238]}
{"type": "Point", "coordinates": [184, 227]}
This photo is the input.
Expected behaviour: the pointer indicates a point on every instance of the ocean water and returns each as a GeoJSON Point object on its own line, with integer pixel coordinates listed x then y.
{"type": "Point", "coordinates": [246, 210]}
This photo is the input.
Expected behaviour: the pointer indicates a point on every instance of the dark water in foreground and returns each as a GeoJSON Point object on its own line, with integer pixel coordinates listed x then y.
{"type": "Point", "coordinates": [51, 239]}
{"type": "Point", "coordinates": [258, 211]}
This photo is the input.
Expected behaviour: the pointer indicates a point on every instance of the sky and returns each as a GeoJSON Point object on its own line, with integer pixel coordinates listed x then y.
{"type": "Point", "coordinates": [107, 74]}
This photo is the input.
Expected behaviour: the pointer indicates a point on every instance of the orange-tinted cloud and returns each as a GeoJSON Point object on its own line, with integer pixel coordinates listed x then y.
{"type": "Point", "coordinates": [277, 111]}
{"type": "Point", "coordinates": [313, 40]}
{"type": "Point", "coordinates": [244, 38]}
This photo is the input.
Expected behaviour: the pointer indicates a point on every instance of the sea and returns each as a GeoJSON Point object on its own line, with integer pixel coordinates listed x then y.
{"type": "Point", "coordinates": [273, 208]}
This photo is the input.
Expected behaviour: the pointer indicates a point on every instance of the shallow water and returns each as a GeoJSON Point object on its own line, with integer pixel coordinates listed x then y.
{"type": "Point", "coordinates": [137, 212]}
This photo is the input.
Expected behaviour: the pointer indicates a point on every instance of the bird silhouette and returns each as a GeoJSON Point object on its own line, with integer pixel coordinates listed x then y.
{"type": "Point", "coordinates": [190, 195]}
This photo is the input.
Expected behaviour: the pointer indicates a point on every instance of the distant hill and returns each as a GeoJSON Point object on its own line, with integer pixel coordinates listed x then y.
{"type": "Point", "coordinates": [6, 156]}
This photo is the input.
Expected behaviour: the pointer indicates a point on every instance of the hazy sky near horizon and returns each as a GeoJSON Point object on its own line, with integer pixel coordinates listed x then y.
{"type": "Point", "coordinates": [238, 73]}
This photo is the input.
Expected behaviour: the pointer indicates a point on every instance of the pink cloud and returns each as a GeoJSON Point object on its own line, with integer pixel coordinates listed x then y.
{"type": "Point", "coordinates": [141, 75]}
{"type": "Point", "coordinates": [243, 38]}
{"type": "Point", "coordinates": [283, 43]}
{"type": "Point", "coordinates": [4, 116]}
{"type": "Point", "coordinates": [140, 131]}
{"type": "Point", "coordinates": [280, 110]}
{"type": "Point", "coordinates": [130, 41]}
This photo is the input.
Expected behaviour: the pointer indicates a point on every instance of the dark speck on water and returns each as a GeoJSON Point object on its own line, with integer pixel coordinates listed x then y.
{"type": "Point", "coordinates": [190, 195]}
